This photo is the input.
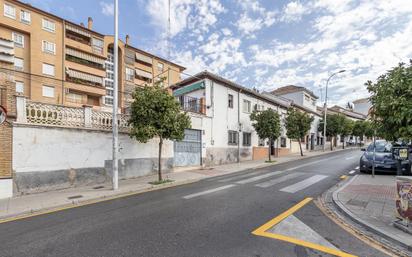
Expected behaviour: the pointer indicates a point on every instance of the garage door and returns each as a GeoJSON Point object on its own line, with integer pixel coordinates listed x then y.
{"type": "Point", "coordinates": [188, 151]}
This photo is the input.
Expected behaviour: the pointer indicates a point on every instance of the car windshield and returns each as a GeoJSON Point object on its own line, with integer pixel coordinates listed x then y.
{"type": "Point", "coordinates": [381, 147]}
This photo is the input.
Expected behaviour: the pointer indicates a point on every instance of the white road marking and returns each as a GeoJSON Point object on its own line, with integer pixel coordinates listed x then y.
{"type": "Point", "coordinates": [256, 178]}
{"type": "Point", "coordinates": [310, 163]}
{"type": "Point", "coordinates": [303, 184]}
{"type": "Point", "coordinates": [357, 168]}
{"type": "Point", "coordinates": [352, 171]}
{"type": "Point", "coordinates": [241, 176]}
{"type": "Point", "coordinates": [279, 180]}
{"type": "Point", "coordinates": [348, 158]}
{"type": "Point", "coordinates": [208, 191]}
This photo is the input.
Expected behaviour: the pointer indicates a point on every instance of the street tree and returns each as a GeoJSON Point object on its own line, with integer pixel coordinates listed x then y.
{"type": "Point", "coordinates": [297, 125]}
{"type": "Point", "coordinates": [267, 125]}
{"type": "Point", "coordinates": [347, 128]}
{"type": "Point", "coordinates": [156, 114]}
{"type": "Point", "coordinates": [333, 127]}
{"type": "Point", "coordinates": [391, 99]}
{"type": "Point", "coordinates": [359, 129]}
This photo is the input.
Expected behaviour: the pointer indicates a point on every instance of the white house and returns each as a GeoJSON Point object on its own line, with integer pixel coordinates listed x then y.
{"type": "Point", "coordinates": [222, 131]}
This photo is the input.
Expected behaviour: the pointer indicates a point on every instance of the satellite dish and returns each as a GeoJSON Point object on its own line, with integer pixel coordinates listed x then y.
{"type": "Point", "coordinates": [3, 114]}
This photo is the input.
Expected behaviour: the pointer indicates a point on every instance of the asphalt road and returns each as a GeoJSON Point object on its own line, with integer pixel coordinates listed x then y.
{"type": "Point", "coordinates": [213, 217]}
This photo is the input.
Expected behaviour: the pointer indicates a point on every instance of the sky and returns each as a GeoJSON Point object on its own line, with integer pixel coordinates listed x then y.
{"type": "Point", "coordinates": [263, 44]}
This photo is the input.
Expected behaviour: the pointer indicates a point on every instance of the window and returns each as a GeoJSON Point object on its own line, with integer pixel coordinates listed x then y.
{"type": "Point", "coordinates": [97, 45]}
{"type": "Point", "coordinates": [109, 83]}
{"type": "Point", "coordinates": [232, 137]}
{"type": "Point", "coordinates": [247, 138]}
{"type": "Point", "coordinates": [49, 47]}
{"type": "Point", "coordinates": [48, 91]}
{"type": "Point", "coordinates": [261, 142]}
{"type": "Point", "coordinates": [18, 39]}
{"type": "Point", "coordinates": [25, 17]}
{"type": "Point", "coordinates": [48, 69]}
{"type": "Point", "coordinates": [48, 25]}
{"type": "Point", "coordinates": [18, 63]}
{"type": "Point", "coordinates": [230, 101]}
{"type": "Point", "coordinates": [74, 98]}
{"type": "Point", "coordinates": [246, 106]}
{"type": "Point", "coordinates": [160, 67]}
{"type": "Point", "coordinates": [108, 100]}
{"type": "Point", "coordinates": [283, 142]}
{"type": "Point", "coordinates": [110, 75]}
{"type": "Point", "coordinates": [19, 87]}
{"type": "Point", "coordinates": [9, 11]}
{"type": "Point", "coordinates": [129, 74]}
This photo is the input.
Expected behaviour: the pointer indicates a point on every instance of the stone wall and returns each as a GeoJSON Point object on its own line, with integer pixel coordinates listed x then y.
{"type": "Point", "coordinates": [220, 155]}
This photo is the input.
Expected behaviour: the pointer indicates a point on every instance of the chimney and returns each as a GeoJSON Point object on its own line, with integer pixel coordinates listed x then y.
{"type": "Point", "coordinates": [82, 24]}
{"type": "Point", "coordinates": [127, 40]}
{"type": "Point", "coordinates": [90, 23]}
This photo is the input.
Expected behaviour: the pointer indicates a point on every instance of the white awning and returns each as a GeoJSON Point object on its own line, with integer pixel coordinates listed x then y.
{"type": "Point", "coordinates": [78, 30]}
{"type": "Point", "coordinates": [144, 58]}
{"type": "Point", "coordinates": [84, 76]}
{"type": "Point", "coordinates": [85, 56]}
{"type": "Point", "coordinates": [144, 74]}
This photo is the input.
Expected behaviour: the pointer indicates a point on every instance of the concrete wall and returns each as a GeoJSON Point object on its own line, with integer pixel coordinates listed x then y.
{"type": "Point", "coordinates": [47, 158]}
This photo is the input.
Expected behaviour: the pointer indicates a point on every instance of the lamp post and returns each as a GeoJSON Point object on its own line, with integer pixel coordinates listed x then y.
{"type": "Point", "coordinates": [115, 168]}
{"type": "Point", "coordinates": [326, 108]}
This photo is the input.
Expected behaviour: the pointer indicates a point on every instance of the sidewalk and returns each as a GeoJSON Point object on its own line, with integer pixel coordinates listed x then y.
{"type": "Point", "coordinates": [26, 205]}
{"type": "Point", "coordinates": [371, 203]}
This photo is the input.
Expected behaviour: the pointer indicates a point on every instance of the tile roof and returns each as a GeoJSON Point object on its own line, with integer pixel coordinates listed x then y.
{"type": "Point", "coordinates": [291, 89]}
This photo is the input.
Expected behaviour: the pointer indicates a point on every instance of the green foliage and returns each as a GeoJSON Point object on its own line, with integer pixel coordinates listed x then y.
{"type": "Point", "coordinates": [391, 98]}
{"type": "Point", "coordinates": [156, 113]}
{"type": "Point", "coordinates": [334, 124]}
{"type": "Point", "coordinates": [359, 128]}
{"type": "Point", "coordinates": [297, 125]}
{"type": "Point", "coordinates": [266, 124]}
{"type": "Point", "coordinates": [347, 127]}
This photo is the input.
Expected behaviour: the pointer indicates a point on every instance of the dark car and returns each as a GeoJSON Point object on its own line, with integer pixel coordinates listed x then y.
{"type": "Point", "coordinates": [383, 159]}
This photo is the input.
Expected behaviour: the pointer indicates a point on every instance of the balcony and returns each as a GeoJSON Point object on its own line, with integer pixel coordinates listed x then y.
{"type": "Point", "coordinates": [6, 51]}
{"type": "Point", "coordinates": [192, 104]}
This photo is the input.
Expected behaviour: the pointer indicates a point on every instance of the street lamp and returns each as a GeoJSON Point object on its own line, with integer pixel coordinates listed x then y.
{"type": "Point", "coordinates": [325, 110]}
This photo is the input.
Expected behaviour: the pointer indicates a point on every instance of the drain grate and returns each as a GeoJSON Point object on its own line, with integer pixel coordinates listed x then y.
{"type": "Point", "coordinates": [74, 197]}
{"type": "Point", "coordinates": [98, 187]}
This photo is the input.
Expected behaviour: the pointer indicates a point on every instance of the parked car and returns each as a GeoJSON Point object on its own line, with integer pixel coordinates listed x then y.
{"type": "Point", "coordinates": [383, 159]}
{"type": "Point", "coordinates": [351, 142]}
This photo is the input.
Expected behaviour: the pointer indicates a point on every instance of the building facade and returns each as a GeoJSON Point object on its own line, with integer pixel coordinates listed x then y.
{"type": "Point", "coordinates": [59, 62]}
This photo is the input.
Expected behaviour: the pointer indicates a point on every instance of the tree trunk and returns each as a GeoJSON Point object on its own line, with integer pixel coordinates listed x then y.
{"type": "Point", "coordinates": [331, 143]}
{"type": "Point", "coordinates": [160, 159]}
{"type": "Point", "coordinates": [269, 149]}
{"type": "Point", "coordinates": [300, 146]}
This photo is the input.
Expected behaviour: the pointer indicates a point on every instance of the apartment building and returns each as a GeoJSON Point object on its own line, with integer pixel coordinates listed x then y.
{"type": "Point", "coordinates": [222, 131]}
{"type": "Point", "coordinates": [59, 62]}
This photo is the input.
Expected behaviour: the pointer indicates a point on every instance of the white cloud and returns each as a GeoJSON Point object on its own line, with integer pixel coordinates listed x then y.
{"type": "Point", "coordinates": [293, 11]}
{"type": "Point", "coordinates": [107, 8]}
{"type": "Point", "coordinates": [254, 18]}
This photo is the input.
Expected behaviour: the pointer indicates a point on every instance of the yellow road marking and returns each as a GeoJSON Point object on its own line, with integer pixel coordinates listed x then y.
{"type": "Point", "coordinates": [261, 231]}
{"type": "Point", "coordinates": [343, 177]}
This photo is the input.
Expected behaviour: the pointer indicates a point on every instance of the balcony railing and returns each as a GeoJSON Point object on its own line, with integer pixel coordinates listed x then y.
{"type": "Point", "coordinates": [192, 104]}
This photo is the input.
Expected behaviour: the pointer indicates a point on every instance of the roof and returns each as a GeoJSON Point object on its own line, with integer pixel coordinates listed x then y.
{"type": "Point", "coordinates": [362, 100]}
{"type": "Point", "coordinates": [305, 109]}
{"type": "Point", "coordinates": [29, 6]}
{"type": "Point", "coordinates": [231, 84]}
{"type": "Point", "coordinates": [291, 89]}
{"type": "Point", "coordinates": [349, 113]}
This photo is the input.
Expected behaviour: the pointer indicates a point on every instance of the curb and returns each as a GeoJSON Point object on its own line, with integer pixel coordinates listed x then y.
{"type": "Point", "coordinates": [103, 198]}
{"type": "Point", "coordinates": [341, 207]}
{"type": "Point", "coordinates": [80, 203]}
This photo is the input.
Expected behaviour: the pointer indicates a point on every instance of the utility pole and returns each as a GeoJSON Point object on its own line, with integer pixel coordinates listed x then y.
{"type": "Point", "coordinates": [115, 167]}
{"type": "Point", "coordinates": [326, 108]}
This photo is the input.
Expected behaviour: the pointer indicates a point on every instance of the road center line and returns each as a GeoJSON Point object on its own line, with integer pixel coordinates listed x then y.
{"type": "Point", "coordinates": [208, 191]}
{"type": "Point", "coordinates": [303, 184]}
{"type": "Point", "coordinates": [357, 168]}
{"type": "Point", "coordinates": [241, 176]}
{"type": "Point", "coordinates": [256, 178]}
{"type": "Point", "coordinates": [348, 158]}
{"type": "Point", "coordinates": [352, 171]}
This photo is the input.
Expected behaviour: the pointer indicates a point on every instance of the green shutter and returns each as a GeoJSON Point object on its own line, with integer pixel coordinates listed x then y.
{"type": "Point", "coordinates": [190, 88]}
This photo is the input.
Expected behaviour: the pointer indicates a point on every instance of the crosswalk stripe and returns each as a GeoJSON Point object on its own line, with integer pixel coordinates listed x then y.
{"type": "Point", "coordinates": [303, 184]}
{"type": "Point", "coordinates": [310, 163]}
{"type": "Point", "coordinates": [208, 191]}
{"type": "Point", "coordinates": [357, 167]}
{"type": "Point", "coordinates": [279, 180]}
{"type": "Point", "coordinates": [241, 176]}
{"type": "Point", "coordinates": [352, 171]}
{"type": "Point", "coordinates": [256, 178]}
